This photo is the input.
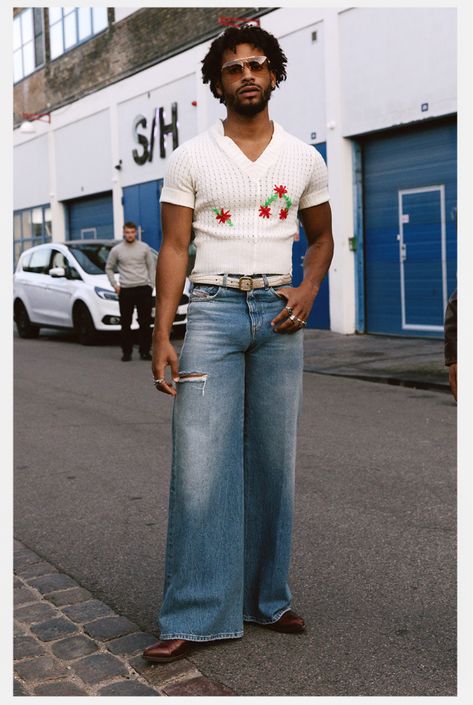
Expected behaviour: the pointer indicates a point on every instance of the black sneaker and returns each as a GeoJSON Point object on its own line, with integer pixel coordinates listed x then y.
{"type": "Point", "coordinates": [126, 357]}
{"type": "Point", "coordinates": [146, 356]}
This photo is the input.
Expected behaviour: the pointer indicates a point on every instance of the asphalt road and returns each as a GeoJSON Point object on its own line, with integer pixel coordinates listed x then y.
{"type": "Point", "coordinates": [374, 542]}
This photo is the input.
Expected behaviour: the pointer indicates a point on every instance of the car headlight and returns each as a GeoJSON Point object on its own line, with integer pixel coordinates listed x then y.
{"type": "Point", "coordinates": [106, 293]}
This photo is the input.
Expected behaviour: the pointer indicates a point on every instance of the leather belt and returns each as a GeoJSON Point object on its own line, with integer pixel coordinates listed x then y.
{"type": "Point", "coordinates": [244, 283]}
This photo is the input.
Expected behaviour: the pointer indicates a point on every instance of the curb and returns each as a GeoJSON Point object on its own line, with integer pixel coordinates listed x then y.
{"type": "Point", "coordinates": [68, 643]}
{"type": "Point", "coordinates": [385, 379]}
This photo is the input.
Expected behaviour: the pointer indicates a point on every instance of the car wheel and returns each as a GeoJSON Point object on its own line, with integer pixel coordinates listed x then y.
{"type": "Point", "coordinates": [84, 325]}
{"type": "Point", "coordinates": [23, 324]}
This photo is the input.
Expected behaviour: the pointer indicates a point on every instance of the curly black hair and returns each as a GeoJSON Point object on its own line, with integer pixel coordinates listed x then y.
{"type": "Point", "coordinates": [245, 34]}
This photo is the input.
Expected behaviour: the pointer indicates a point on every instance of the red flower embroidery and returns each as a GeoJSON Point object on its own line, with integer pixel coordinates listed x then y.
{"type": "Point", "coordinates": [264, 211]}
{"type": "Point", "coordinates": [223, 216]}
{"type": "Point", "coordinates": [283, 214]}
{"type": "Point", "coordinates": [280, 190]}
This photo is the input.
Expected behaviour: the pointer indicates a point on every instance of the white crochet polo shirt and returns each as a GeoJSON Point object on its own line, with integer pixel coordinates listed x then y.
{"type": "Point", "coordinates": [245, 212]}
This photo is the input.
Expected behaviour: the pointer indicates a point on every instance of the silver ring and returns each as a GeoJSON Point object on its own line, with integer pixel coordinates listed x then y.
{"type": "Point", "coordinates": [292, 318]}
{"type": "Point", "coordinates": [299, 320]}
{"type": "Point", "coordinates": [159, 381]}
{"type": "Point", "coordinates": [289, 309]}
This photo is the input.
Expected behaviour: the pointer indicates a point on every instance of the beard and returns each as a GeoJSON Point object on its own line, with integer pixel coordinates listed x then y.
{"type": "Point", "coordinates": [248, 109]}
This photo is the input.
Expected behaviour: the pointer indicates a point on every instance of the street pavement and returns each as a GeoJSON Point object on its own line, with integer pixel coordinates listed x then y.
{"type": "Point", "coordinates": [373, 569]}
{"type": "Point", "coordinates": [408, 362]}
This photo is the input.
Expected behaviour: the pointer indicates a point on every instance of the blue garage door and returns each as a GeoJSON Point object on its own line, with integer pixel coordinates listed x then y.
{"type": "Point", "coordinates": [410, 209]}
{"type": "Point", "coordinates": [90, 217]}
{"type": "Point", "coordinates": [320, 314]}
{"type": "Point", "coordinates": [141, 206]}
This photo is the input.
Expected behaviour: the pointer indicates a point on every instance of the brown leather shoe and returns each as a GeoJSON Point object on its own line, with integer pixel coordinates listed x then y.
{"type": "Point", "coordinates": [288, 623]}
{"type": "Point", "coordinates": [167, 650]}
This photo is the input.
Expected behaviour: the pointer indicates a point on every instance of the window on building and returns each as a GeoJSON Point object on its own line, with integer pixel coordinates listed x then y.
{"type": "Point", "coordinates": [48, 229]}
{"type": "Point", "coordinates": [28, 42]}
{"type": "Point", "coordinates": [69, 26]}
{"type": "Point", "coordinates": [31, 226]}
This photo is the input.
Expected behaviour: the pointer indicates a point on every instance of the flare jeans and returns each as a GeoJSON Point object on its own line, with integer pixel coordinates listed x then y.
{"type": "Point", "coordinates": [232, 480]}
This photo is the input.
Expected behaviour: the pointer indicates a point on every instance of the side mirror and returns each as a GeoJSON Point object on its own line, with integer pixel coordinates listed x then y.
{"type": "Point", "coordinates": [57, 272]}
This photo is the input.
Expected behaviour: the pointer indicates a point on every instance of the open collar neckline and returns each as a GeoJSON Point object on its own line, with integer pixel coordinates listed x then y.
{"type": "Point", "coordinates": [259, 167]}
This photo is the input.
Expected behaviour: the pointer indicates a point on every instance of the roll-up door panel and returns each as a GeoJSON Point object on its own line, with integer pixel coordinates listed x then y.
{"type": "Point", "coordinates": [410, 198]}
{"type": "Point", "coordinates": [91, 217]}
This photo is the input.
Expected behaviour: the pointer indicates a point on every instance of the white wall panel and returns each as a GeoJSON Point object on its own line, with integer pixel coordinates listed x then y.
{"type": "Point", "coordinates": [83, 157]}
{"type": "Point", "coordinates": [30, 173]}
{"type": "Point", "coordinates": [181, 91]}
{"type": "Point", "coordinates": [299, 102]}
{"type": "Point", "coordinates": [122, 12]}
{"type": "Point", "coordinates": [392, 61]}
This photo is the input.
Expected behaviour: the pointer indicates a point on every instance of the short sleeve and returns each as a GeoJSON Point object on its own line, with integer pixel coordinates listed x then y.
{"type": "Point", "coordinates": [316, 190]}
{"type": "Point", "coordinates": [178, 187]}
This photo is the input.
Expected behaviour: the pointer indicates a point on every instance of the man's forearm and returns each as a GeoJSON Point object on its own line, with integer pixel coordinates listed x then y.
{"type": "Point", "coordinates": [317, 262]}
{"type": "Point", "coordinates": [170, 277]}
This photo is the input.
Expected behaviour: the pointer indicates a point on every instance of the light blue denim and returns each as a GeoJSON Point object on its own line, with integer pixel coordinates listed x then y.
{"type": "Point", "coordinates": [232, 479]}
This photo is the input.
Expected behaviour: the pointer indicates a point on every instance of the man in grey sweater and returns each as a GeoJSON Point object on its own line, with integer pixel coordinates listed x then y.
{"type": "Point", "coordinates": [136, 268]}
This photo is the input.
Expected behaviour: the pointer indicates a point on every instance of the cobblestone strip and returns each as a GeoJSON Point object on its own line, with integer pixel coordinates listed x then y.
{"type": "Point", "coordinates": [68, 643]}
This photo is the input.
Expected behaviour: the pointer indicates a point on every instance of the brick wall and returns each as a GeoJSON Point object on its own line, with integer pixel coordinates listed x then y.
{"type": "Point", "coordinates": [138, 41]}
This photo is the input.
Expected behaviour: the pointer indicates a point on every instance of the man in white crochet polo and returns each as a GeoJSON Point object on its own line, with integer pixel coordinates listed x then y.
{"type": "Point", "coordinates": [240, 187]}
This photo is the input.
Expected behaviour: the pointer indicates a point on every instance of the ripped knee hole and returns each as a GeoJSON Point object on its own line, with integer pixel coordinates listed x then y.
{"type": "Point", "coordinates": [192, 377]}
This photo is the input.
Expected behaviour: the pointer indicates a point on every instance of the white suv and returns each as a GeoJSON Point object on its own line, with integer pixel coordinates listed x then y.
{"type": "Point", "coordinates": [64, 285]}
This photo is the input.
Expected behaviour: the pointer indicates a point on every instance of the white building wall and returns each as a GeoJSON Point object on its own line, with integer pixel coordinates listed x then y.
{"type": "Point", "coordinates": [299, 102]}
{"type": "Point", "coordinates": [394, 60]}
{"type": "Point", "coordinates": [84, 157]}
{"type": "Point", "coordinates": [30, 173]}
{"type": "Point", "coordinates": [340, 167]}
{"type": "Point", "coordinates": [122, 12]}
{"type": "Point", "coordinates": [163, 95]}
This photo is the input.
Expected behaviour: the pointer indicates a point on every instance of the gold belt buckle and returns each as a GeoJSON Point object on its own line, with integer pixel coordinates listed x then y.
{"type": "Point", "coordinates": [245, 283]}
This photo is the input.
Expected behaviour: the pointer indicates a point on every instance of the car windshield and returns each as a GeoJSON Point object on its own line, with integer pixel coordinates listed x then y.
{"type": "Point", "coordinates": [93, 258]}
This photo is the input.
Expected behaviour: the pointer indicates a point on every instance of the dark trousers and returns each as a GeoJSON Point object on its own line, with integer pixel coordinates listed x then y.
{"type": "Point", "coordinates": [141, 297]}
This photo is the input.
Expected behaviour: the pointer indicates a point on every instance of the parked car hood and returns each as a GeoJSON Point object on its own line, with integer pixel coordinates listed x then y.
{"type": "Point", "coordinates": [98, 280]}
{"type": "Point", "coordinates": [102, 280]}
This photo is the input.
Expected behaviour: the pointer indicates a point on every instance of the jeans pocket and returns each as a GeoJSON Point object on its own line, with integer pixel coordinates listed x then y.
{"type": "Point", "coordinates": [275, 290]}
{"type": "Point", "coordinates": [203, 292]}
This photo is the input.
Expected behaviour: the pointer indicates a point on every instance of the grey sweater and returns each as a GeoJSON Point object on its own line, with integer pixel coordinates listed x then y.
{"type": "Point", "coordinates": [135, 264]}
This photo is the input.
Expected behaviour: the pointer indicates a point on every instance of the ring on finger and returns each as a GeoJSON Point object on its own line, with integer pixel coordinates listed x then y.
{"type": "Point", "coordinates": [158, 381]}
{"type": "Point", "coordinates": [292, 318]}
{"type": "Point", "coordinates": [302, 323]}
{"type": "Point", "coordinates": [289, 309]}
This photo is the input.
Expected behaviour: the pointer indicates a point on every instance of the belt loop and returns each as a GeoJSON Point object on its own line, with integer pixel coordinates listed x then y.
{"type": "Point", "coordinates": [266, 282]}
{"type": "Point", "coordinates": [224, 283]}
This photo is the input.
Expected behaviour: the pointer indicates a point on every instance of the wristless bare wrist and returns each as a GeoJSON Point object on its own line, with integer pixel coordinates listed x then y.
{"type": "Point", "coordinates": [160, 335]}
{"type": "Point", "coordinates": [311, 287]}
